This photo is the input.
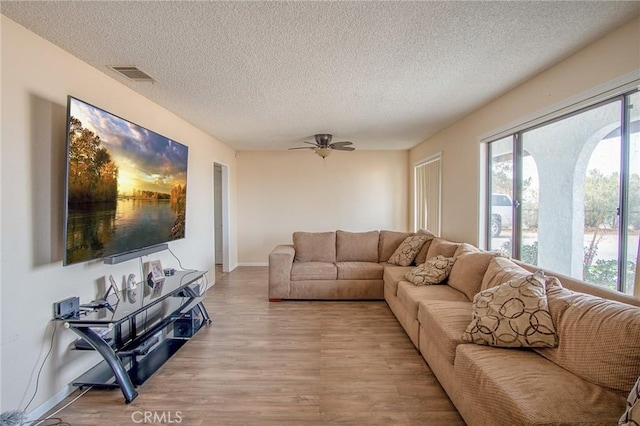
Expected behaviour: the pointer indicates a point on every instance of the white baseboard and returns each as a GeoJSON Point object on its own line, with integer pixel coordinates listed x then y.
{"type": "Point", "coordinates": [45, 407]}
{"type": "Point", "coordinates": [253, 264]}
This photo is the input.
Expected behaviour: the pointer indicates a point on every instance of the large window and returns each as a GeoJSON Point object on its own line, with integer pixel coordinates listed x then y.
{"type": "Point", "coordinates": [565, 194]}
{"type": "Point", "coordinates": [427, 175]}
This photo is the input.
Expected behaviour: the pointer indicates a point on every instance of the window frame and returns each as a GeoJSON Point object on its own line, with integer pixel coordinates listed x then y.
{"type": "Point", "coordinates": [620, 94]}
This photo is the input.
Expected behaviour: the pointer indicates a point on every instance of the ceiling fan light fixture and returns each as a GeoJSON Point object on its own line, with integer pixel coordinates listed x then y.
{"type": "Point", "coordinates": [323, 152]}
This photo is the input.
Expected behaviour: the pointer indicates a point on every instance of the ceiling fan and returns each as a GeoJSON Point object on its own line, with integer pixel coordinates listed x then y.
{"type": "Point", "coordinates": [323, 146]}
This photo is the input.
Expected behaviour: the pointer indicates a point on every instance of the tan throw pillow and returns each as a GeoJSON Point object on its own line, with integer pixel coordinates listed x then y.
{"type": "Point", "coordinates": [407, 251]}
{"type": "Point", "coordinates": [421, 257]}
{"type": "Point", "coordinates": [631, 416]}
{"type": "Point", "coordinates": [513, 315]}
{"type": "Point", "coordinates": [433, 271]}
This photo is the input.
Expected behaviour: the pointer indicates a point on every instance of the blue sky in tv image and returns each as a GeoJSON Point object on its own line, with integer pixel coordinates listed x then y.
{"type": "Point", "coordinates": [146, 160]}
{"type": "Point", "coordinates": [126, 185]}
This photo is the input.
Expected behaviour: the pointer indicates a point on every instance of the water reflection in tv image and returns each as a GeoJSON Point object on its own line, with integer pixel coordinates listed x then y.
{"type": "Point", "coordinates": [126, 185]}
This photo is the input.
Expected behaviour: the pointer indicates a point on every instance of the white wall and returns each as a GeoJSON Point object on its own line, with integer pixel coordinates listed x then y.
{"type": "Point", "coordinates": [613, 56]}
{"type": "Point", "coordinates": [36, 79]}
{"type": "Point", "coordinates": [283, 192]}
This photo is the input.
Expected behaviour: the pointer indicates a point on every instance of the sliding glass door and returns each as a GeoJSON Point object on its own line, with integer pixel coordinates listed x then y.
{"type": "Point", "coordinates": [632, 194]}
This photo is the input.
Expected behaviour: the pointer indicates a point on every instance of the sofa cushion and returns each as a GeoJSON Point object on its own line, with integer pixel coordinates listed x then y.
{"type": "Point", "coordinates": [421, 257]}
{"type": "Point", "coordinates": [469, 269]}
{"type": "Point", "coordinates": [631, 415]}
{"type": "Point", "coordinates": [410, 295]}
{"type": "Point", "coordinates": [302, 271]}
{"type": "Point", "coordinates": [599, 338]}
{"type": "Point", "coordinates": [433, 271]}
{"type": "Point", "coordinates": [580, 286]}
{"type": "Point", "coordinates": [407, 250]}
{"type": "Point", "coordinates": [464, 248]}
{"type": "Point", "coordinates": [500, 270]}
{"type": "Point", "coordinates": [393, 275]}
{"type": "Point", "coordinates": [360, 270]}
{"type": "Point", "coordinates": [519, 387]}
{"type": "Point", "coordinates": [357, 246]}
{"type": "Point", "coordinates": [441, 246]}
{"type": "Point", "coordinates": [315, 246]}
{"type": "Point", "coordinates": [444, 322]}
{"type": "Point", "coordinates": [512, 315]}
{"type": "Point", "coordinates": [389, 242]}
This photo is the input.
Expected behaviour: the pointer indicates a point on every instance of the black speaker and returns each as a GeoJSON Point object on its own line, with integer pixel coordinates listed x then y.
{"type": "Point", "coordinates": [187, 325]}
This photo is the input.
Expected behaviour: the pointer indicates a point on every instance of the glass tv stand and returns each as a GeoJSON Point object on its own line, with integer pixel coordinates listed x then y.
{"type": "Point", "coordinates": [132, 334]}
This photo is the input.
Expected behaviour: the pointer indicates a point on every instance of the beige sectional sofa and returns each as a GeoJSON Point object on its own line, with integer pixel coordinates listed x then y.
{"type": "Point", "coordinates": [584, 379]}
{"type": "Point", "coordinates": [333, 265]}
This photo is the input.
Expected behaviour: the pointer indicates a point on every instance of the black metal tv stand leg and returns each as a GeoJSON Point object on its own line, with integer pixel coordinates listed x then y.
{"type": "Point", "coordinates": [120, 373]}
{"type": "Point", "coordinates": [205, 314]}
{"type": "Point", "coordinates": [200, 306]}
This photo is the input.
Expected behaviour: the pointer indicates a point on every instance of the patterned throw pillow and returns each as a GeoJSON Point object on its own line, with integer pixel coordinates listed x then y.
{"type": "Point", "coordinates": [631, 417]}
{"type": "Point", "coordinates": [408, 250]}
{"type": "Point", "coordinates": [513, 315]}
{"type": "Point", "coordinates": [433, 271]}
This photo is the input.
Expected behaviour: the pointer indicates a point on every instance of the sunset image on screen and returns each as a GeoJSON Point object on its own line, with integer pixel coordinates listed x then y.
{"type": "Point", "coordinates": [126, 185]}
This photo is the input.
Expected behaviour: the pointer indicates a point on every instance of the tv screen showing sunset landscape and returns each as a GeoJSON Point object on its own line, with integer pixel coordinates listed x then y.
{"type": "Point", "coordinates": [126, 185]}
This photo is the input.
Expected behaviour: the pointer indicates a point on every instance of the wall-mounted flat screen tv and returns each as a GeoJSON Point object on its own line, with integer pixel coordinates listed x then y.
{"type": "Point", "coordinates": [126, 186]}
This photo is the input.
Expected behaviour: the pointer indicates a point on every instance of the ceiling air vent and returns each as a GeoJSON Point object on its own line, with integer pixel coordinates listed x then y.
{"type": "Point", "coordinates": [133, 73]}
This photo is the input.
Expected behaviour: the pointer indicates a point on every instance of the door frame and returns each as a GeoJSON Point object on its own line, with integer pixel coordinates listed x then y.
{"type": "Point", "coordinates": [225, 216]}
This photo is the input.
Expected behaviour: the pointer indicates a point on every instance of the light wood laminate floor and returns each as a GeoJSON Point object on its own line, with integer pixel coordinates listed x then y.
{"type": "Point", "coordinates": [287, 363]}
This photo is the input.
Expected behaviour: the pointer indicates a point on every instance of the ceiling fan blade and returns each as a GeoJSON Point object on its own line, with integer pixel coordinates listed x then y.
{"type": "Point", "coordinates": [323, 144]}
{"type": "Point", "coordinates": [345, 143]}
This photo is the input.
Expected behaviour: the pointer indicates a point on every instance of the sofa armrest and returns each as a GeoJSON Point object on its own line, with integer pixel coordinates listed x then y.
{"type": "Point", "coordinates": [280, 263]}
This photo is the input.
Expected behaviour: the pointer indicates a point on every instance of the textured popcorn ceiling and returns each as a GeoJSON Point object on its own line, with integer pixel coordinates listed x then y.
{"type": "Point", "coordinates": [267, 75]}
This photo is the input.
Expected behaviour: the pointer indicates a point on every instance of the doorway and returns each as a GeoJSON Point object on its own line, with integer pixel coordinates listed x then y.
{"type": "Point", "coordinates": [221, 216]}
